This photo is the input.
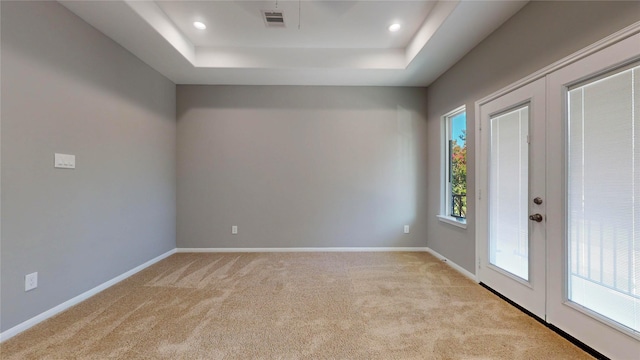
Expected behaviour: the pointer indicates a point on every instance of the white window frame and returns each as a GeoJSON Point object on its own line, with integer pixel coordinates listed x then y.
{"type": "Point", "coordinates": [445, 185]}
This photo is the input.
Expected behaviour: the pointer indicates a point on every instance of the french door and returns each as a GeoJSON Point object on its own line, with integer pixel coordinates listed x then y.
{"type": "Point", "coordinates": [558, 214]}
{"type": "Point", "coordinates": [512, 219]}
{"type": "Point", "coordinates": [593, 212]}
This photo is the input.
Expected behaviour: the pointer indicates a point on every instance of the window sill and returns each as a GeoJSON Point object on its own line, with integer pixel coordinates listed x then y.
{"type": "Point", "coordinates": [452, 221]}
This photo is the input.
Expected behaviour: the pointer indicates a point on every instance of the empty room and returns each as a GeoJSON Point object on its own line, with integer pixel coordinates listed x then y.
{"type": "Point", "coordinates": [315, 179]}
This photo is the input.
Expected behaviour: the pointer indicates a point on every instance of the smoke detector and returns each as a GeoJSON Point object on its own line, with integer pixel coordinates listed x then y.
{"type": "Point", "coordinates": [273, 18]}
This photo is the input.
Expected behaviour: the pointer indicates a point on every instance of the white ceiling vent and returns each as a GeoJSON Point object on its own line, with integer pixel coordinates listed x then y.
{"type": "Point", "coordinates": [273, 18]}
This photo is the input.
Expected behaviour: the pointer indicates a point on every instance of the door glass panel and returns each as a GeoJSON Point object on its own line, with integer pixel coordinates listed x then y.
{"type": "Point", "coordinates": [603, 207]}
{"type": "Point", "coordinates": [508, 192]}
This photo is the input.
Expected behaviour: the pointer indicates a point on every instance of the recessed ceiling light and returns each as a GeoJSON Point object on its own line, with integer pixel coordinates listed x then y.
{"type": "Point", "coordinates": [200, 26]}
{"type": "Point", "coordinates": [394, 27]}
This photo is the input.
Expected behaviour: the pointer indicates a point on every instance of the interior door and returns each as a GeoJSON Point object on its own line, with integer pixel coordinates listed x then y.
{"type": "Point", "coordinates": [593, 210]}
{"type": "Point", "coordinates": [511, 206]}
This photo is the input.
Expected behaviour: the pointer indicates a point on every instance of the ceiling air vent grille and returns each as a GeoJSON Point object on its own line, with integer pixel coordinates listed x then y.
{"type": "Point", "coordinates": [273, 18]}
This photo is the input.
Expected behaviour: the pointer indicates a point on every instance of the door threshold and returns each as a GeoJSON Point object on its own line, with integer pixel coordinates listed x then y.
{"type": "Point", "coordinates": [586, 348]}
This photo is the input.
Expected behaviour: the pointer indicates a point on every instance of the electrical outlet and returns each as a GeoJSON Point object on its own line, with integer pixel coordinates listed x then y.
{"type": "Point", "coordinates": [406, 229]}
{"type": "Point", "coordinates": [234, 229]}
{"type": "Point", "coordinates": [64, 161]}
{"type": "Point", "coordinates": [31, 281]}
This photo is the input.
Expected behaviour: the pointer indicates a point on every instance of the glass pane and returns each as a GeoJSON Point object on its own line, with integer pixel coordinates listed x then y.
{"type": "Point", "coordinates": [509, 189]}
{"type": "Point", "coordinates": [458, 161]}
{"type": "Point", "coordinates": [603, 207]}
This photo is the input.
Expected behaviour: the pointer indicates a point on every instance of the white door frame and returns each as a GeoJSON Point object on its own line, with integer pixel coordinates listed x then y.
{"type": "Point", "coordinates": [554, 255]}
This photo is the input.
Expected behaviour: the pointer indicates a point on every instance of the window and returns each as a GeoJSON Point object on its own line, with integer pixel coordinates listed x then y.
{"type": "Point", "coordinates": [603, 203]}
{"type": "Point", "coordinates": [453, 208]}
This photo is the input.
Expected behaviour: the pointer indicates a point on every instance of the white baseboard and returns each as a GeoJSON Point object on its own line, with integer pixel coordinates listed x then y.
{"type": "Point", "coordinates": [85, 295]}
{"type": "Point", "coordinates": [455, 266]}
{"type": "Point", "coordinates": [301, 249]}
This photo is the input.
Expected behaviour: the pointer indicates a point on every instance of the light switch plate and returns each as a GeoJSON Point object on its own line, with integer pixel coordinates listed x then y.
{"type": "Point", "coordinates": [64, 161]}
{"type": "Point", "coordinates": [406, 229]}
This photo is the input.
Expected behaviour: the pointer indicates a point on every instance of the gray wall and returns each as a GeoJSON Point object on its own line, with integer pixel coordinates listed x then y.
{"type": "Point", "coordinates": [301, 166]}
{"type": "Point", "coordinates": [67, 88]}
{"type": "Point", "coordinates": [540, 34]}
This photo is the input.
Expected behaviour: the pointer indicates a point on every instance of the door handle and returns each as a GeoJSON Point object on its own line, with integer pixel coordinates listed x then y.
{"type": "Point", "coordinates": [535, 217]}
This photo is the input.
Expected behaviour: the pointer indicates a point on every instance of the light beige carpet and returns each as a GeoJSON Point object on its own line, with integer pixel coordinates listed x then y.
{"type": "Point", "coordinates": [293, 306]}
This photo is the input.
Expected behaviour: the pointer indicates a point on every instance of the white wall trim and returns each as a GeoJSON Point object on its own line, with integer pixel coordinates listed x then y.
{"type": "Point", "coordinates": [302, 249]}
{"type": "Point", "coordinates": [84, 296]}
{"type": "Point", "coordinates": [455, 266]}
{"type": "Point", "coordinates": [452, 221]}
